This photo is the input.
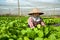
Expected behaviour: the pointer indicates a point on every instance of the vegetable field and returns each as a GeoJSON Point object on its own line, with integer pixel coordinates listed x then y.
{"type": "Point", "coordinates": [16, 28]}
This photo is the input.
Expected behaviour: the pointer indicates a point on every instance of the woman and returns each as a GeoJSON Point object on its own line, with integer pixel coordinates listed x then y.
{"type": "Point", "coordinates": [35, 18]}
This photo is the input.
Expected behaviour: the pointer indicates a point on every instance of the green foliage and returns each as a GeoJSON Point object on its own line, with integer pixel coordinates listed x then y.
{"type": "Point", "coordinates": [16, 28]}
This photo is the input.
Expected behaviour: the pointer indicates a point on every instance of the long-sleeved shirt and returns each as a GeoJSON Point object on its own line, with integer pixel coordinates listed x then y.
{"type": "Point", "coordinates": [33, 21]}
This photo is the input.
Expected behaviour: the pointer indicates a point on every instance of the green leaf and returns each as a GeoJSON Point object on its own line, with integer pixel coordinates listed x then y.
{"type": "Point", "coordinates": [36, 30]}
{"type": "Point", "coordinates": [46, 39]}
{"type": "Point", "coordinates": [23, 31]}
{"type": "Point", "coordinates": [14, 36]}
{"type": "Point", "coordinates": [28, 30]}
{"type": "Point", "coordinates": [58, 39]}
{"type": "Point", "coordinates": [20, 38]}
{"type": "Point", "coordinates": [38, 26]}
{"type": "Point", "coordinates": [58, 34]}
{"type": "Point", "coordinates": [40, 33]}
{"type": "Point", "coordinates": [46, 30]}
{"type": "Point", "coordinates": [38, 38]}
{"type": "Point", "coordinates": [24, 24]}
{"type": "Point", "coordinates": [11, 39]}
{"type": "Point", "coordinates": [26, 38]}
{"type": "Point", "coordinates": [52, 37]}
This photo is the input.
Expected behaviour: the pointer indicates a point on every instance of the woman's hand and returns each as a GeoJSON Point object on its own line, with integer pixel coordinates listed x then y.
{"type": "Point", "coordinates": [32, 27]}
{"type": "Point", "coordinates": [43, 24]}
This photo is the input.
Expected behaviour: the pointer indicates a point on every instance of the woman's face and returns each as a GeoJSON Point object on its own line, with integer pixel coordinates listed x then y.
{"type": "Point", "coordinates": [35, 15]}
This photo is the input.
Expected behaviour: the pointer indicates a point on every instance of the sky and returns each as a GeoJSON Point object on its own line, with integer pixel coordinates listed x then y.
{"type": "Point", "coordinates": [28, 4]}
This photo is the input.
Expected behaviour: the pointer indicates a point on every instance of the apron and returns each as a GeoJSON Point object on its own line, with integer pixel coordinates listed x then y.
{"type": "Point", "coordinates": [36, 20]}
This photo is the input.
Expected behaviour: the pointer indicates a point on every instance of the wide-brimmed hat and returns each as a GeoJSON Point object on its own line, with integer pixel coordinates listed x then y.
{"type": "Point", "coordinates": [35, 11]}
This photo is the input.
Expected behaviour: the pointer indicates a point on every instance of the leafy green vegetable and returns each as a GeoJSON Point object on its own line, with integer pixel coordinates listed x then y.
{"type": "Point", "coordinates": [16, 28]}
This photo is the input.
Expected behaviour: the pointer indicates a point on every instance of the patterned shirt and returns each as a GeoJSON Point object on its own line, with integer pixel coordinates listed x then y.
{"type": "Point", "coordinates": [33, 21]}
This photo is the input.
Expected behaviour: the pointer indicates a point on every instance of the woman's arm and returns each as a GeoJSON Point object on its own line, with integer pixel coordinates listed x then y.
{"type": "Point", "coordinates": [30, 22]}
{"type": "Point", "coordinates": [42, 22]}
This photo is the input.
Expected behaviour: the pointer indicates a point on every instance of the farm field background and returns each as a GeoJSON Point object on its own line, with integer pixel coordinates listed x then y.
{"type": "Point", "coordinates": [16, 28]}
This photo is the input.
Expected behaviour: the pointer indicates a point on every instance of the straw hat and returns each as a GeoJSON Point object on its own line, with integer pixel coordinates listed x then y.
{"type": "Point", "coordinates": [35, 11]}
